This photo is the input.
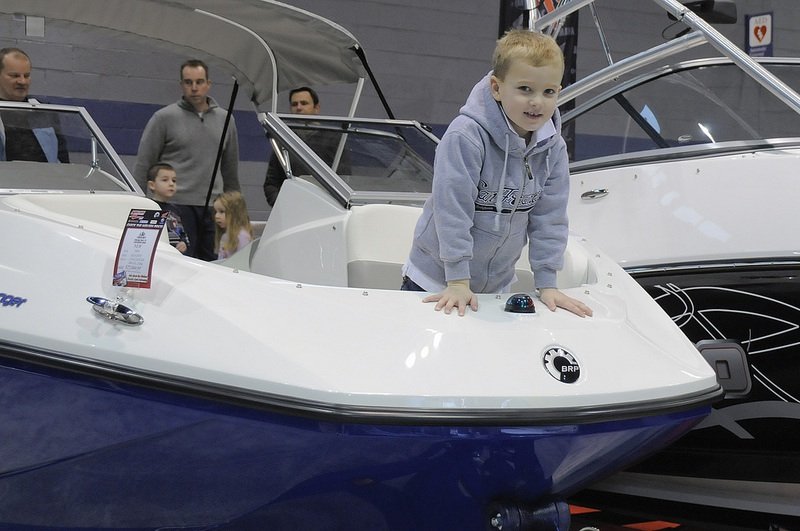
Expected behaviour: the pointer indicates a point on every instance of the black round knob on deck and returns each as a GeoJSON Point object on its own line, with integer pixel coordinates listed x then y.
{"type": "Point", "coordinates": [520, 303]}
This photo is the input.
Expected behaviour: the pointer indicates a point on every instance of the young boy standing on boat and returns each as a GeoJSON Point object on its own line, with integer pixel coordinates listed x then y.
{"type": "Point", "coordinates": [501, 179]}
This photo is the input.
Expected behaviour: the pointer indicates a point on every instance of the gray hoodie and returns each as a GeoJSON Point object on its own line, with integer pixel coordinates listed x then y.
{"type": "Point", "coordinates": [492, 194]}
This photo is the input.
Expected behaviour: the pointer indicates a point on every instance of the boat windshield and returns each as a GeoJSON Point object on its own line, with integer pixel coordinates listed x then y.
{"type": "Point", "coordinates": [699, 103]}
{"type": "Point", "coordinates": [50, 148]}
{"type": "Point", "coordinates": [383, 158]}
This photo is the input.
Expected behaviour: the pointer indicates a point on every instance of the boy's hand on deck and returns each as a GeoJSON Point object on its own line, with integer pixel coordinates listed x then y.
{"type": "Point", "coordinates": [552, 298]}
{"type": "Point", "coordinates": [456, 295]}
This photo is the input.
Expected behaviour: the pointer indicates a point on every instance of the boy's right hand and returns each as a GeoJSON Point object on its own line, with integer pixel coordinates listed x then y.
{"type": "Point", "coordinates": [456, 294]}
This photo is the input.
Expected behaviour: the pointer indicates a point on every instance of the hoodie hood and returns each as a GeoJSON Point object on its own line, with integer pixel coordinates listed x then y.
{"type": "Point", "coordinates": [488, 113]}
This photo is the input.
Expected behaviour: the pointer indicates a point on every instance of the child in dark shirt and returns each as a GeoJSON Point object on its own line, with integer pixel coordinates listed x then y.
{"type": "Point", "coordinates": [162, 183]}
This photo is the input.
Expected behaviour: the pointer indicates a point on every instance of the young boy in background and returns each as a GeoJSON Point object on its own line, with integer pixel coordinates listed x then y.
{"type": "Point", "coordinates": [162, 183]}
{"type": "Point", "coordinates": [501, 180]}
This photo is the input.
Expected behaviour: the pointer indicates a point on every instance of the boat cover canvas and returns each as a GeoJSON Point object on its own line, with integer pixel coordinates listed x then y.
{"type": "Point", "coordinates": [258, 41]}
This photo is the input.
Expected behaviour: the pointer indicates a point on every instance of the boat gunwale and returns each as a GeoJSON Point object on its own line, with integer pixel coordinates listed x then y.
{"type": "Point", "coordinates": [83, 367]}
{"type": "Point", "coordinates": [714, 266]}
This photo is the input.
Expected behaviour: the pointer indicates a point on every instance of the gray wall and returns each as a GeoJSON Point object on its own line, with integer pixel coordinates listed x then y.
{"type": "Point", "coordinates": [426, 56]}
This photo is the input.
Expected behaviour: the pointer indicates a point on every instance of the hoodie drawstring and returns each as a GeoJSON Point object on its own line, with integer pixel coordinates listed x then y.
{"type": "Point", "coordinates": [499, 201]}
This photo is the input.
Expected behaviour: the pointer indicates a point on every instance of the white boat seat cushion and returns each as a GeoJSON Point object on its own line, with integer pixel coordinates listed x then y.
{"type": "Point", "coordinates": [379, 238]}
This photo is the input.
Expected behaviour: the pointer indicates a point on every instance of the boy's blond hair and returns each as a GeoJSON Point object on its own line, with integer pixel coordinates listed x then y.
{"type": "Point", "coordinates": [535, 49]}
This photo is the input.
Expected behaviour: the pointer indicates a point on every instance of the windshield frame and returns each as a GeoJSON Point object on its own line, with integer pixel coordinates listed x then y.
{"type": "Point", "coordinates": [278, 125]}
{"type": "Point", "coordinates": [122, 176]}
{"type": "Point", "coordinates": [717, 148]}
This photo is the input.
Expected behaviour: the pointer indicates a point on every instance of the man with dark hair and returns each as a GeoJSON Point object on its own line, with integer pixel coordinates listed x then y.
{"type": "Point", "coordinates": [24, 134]}
{"type": "Point", "coordinates": [186, 135]}
{"type": "Point", "coordinates": [303, 100]}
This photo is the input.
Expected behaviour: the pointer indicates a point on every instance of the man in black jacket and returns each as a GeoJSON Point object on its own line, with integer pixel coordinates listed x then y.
{"type": "Point", "coordinates": [303, 100]}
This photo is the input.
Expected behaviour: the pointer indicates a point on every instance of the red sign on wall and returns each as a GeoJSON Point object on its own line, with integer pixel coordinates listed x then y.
{"type": "Point", "coordinates": [758, 35]}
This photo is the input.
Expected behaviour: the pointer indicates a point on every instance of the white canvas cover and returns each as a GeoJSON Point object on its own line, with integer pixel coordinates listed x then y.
{"type": "Point", "coordinates": [268, 46]}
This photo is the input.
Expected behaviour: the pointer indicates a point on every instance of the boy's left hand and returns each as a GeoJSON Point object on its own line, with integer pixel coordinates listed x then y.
{"type": "Point", "coordinates": [552, 298]}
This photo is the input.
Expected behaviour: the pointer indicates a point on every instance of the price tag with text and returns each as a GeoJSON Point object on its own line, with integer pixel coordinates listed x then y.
{"type": "Point", "coordinates": [133, 266]}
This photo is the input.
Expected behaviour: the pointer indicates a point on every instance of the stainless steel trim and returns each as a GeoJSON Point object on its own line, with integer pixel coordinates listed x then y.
{"type": "Point", "coordinates": [597, 193]}
{"type": "Point", "coordinates": [626, 66]}
{"type": "Point", "coordinates": [335, 185]}
{"type": "Point", "coordinates": [115, 311]}
{"type": "Point", "coordinates": [596, 80]}
{"type": "Point", "coordinates": [704, 151]}
{"type": "Point", "coordinates": [701, 266]}
{"type": "Point", "coordinates": [94, 129]}
{"type": "Point", "coordinates": [769, 81]}
{"type": "Point", "coordinates": [702, 31]}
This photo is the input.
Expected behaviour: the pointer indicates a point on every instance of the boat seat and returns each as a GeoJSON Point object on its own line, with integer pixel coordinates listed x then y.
{"type": "Point", "coordinates": [379, 238]}
{"type": "Point", "coordinates": [378, 241]}
{"type": "Point", "coordinates": [577, 269]}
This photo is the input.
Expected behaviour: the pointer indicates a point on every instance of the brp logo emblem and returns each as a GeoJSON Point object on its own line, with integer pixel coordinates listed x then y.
{"type": "Point", "coordinates": [562, 365]}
